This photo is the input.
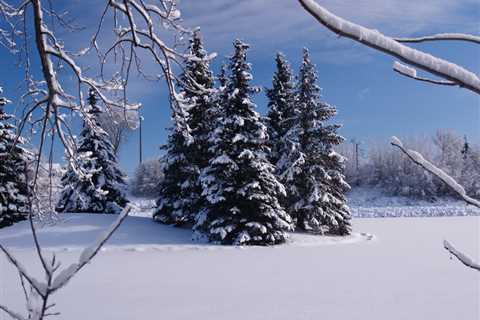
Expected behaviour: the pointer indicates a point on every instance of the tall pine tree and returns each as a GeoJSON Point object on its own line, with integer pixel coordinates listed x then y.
{"type": "Point", "coordinates": [176, 203]}
{"type": "Point", "coordinates": [95, 184]}
{"type": "Point", "coordinates": [318, 199]}
{"type": "Point", "coordinates": [281, 109]}
{"type": "Point", "coordinates": [239, 184]}
{"type": "Point", "coordinates": [180, 192]}
{"type": "Point", "coordinates": [14, 189]}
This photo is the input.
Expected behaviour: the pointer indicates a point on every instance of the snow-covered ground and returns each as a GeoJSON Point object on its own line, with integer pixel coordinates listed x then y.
{"type": "Point", "coordinates": [389, 269]}
{"type": "Point", "coordinates": [371, 203]}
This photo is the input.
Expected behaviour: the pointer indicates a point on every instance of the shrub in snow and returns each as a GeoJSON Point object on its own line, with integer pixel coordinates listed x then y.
{"type": "Point", "coordinates": [314, 171]}
{"type": "Point", "coordinates": [180, 191]}
{"type": "Point", "coordinates": [239, 184]}
{"type": "Point", "coordinates": [93, 182]}
{"type": "Point", "coordinates": [14, 189]}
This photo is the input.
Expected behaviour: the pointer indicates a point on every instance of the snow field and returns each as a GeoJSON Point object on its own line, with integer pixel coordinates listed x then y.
{"type": "Point", "coordinates": [152, 271]}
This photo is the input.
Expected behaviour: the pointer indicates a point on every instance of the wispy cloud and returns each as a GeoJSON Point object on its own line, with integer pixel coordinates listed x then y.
{"type": "Point", "coordinates": [283, 23]}
{"type": "Point", "coordinates": [362, 94]}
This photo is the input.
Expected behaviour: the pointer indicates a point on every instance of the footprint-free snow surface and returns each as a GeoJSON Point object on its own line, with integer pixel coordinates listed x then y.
{"type": "Point", "coordinates": [388, 269]}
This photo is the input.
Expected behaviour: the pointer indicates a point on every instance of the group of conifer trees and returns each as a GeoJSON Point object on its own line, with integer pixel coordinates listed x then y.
{"type": "Point", "coordinates": [14, 158]}
{"type": "Point", "coordinates": [229, 174]}
{"type": "Point", "coordinates": [93, 182]}
{"type": "Point", "coordinates": [237, 178]}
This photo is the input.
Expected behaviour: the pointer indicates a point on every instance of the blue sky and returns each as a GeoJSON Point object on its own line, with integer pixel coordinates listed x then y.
{"type": "Point", "coordinates": [374, 103]}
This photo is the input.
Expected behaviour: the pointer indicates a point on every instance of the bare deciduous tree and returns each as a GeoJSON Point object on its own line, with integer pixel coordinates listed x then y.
{"type": "Point", "coordinates": [50, 100]}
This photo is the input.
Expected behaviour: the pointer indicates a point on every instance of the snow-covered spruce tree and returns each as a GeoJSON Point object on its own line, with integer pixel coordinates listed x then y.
{"type": "Point", "coordinates": [318, 203]}
{"type": "Point", "coordinates": [14, 189]}
{"type": "Point", "coordinates": [281, 109]}
{"type": "Point", "coordinates": [239, 183]}
{"type": "Point", "coordinates": [177, 190]}
{"type": "Point", "coordinates": [97, 185]}
{"type": "Point", "coordinates": [181, 192]}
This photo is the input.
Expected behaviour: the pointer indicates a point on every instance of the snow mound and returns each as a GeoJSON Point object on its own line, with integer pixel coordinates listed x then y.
{"type": "Point", "coordinates": [74, 232]}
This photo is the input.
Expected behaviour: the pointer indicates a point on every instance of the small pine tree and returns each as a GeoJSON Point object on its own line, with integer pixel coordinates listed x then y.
{"type": "Point", "coordinates": [14, 189]}
{"type": "Point", "coordinates": [94, 184]}
{"type": "Point", "coordinates": [239, 184]}
{"type": "Point", "coordinates": [319, 203]}
{"type": "Point", "coordinates": [281, 115]}
{"type": "Point", "coordinates": [181, 192]}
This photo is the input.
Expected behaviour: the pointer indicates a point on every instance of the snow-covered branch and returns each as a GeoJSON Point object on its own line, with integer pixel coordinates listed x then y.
{"type": "Point", "coordinates": [442, 37]}
{"type": "Point", "coordinates": [428, 166]}
{"type": "Point", "coordinates": [411, 73]}
{"type": "Point", "coordinates": [378, 41]}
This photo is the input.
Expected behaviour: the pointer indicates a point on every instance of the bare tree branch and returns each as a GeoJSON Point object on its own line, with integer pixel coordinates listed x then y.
{"type": "Point", "coordinates": [376, 40]}
{"type": "Point", "coordinates": [420, 160]}
{"type": "Point", "coordinates": [411, 73]}
{"type": "Point", "coordinates": [428, 166]}
{"type": "Point", "coordinates": [442, 37]}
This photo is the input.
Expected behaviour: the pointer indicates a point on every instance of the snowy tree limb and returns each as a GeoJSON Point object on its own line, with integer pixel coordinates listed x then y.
{"type": "Point", "coordinates": [410, 72]}
{"type": "Point", "coordinates": [467, 261]}
{"type": "Point", "coordinates": [376, 40]}
{"type": "Point", "coordinates": [88, 253]}
{"type": "Point", "coordinates": [428, 166]}
{"type": "Point", "coordinates": [442, 37]}
{"type": "Point", "coordinates": [420, 160]}
{"type": "Point", "coordinates": [43, 291]}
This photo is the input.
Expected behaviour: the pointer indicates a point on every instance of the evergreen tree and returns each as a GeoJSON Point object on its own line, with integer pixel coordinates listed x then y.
{"type": "Point", "coordinates": [240, 187]}
{"type": "Point", "coordinates": [318, 199]}
{"type": "Point", "coordinates": [14, 189]}
{"type": "Point", "coordinates": [281, 115]}
{"type": "Point", "coordinates": [466, 148]}
{"type": "Point", "coordinates": [95, 183]}
{"type": "Point", "coordinates": [180, 196]}
{"type": "Point", "coordinates": [177, 190]}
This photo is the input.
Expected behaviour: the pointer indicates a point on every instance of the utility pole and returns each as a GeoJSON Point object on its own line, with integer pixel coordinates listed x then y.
{"type": "Point", "coordinates": [356, 146]}
{"type": "Point", "coordinates": [356, 155]}
{"type": "Point", "coordinates": [140, 144]}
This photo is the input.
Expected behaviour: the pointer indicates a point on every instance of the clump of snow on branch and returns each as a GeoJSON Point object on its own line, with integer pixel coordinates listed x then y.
{"type": "Point", "coordinates": [404, 69]}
